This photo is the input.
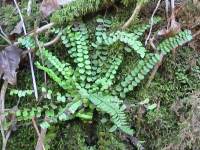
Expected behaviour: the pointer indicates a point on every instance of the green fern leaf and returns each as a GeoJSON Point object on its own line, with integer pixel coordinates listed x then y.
{"type": "Point", "coordinates": [112, 106]}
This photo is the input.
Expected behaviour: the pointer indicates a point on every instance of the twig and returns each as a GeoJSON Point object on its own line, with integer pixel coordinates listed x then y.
{"type": "Point", "coordinates": [56, 39]}
{"type": "Point", "coordinates": [167, 9]}
{"type": "Point", "coordinates": [29, 7]}
{"type": "Point", "coordinates": [29, 54]}
{"type": "Point", "coordinates": [2, 98]}
{"type": "Point", "coordinates": [134, 15]}
{"type": "Point", "coordinates": [3, 33]}
{"type": "Point", "coordinates": [4, 36]}
{"type": "Point", "coordinates": [38, 133]}
{"type": "Point", "coordinates": [173, 10]}
{"type": "Point", "coordinates": [42, 135]}
{"type": "Point", "coordinates": [196, 34]}
{"type": "Point", "coordinates": [147, 39]}
{"type": "Point", "coordinates": [2, 117]}
{"type": "Point", "coordinates": [8, 41]}
{"type": "Point", "coordinates": [39, 30]}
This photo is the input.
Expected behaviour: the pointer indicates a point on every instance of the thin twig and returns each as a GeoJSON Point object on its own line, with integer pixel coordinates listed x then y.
{"type": "Point", "coordinates": [167, 8]}
{"type": "Point", "coordinates": [38, 133]}
{"type": "Point", "coordinates": [29, 54]}
{"type": "Point", "coordinates": [56, 39]}
{"type": "Point", "coordinates": [155, 10]}
{"type": "Point", "coordinates": [7, 40]}
{"type": "Point", "coordinates": [134, 15]}
{"type": "Point", "coordinates": [4, 36]}
{"type": "Point", "coordinates": [39, 30]}
{"type": "Point", "coordinates": [2, 110]}
{"type": "Point", "coordinates": [3, 33]}
{"type": "Point", "coordinates": [29, 7]}
{"type": "Point", "coordinates": [196, 34]}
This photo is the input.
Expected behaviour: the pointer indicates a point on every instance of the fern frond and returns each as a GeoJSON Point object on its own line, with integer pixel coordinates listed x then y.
{"type": "Point", "coordinates": [76, 40]}
{"type": "Point", "coordinates": [137, 74]}
{"type": "Point", "coordinates": [173, 42]}
{"type": "Point", "coordinates": [128, 38]}
{"type": "Point", "coordinates": [65, 84]}
{"type": "Point", "coordinates": [63, 69]}
{"type": "Point", "coordinates": [112, 106]}
{"type": "Point", "coordinates": [21, 93]}
{"type": "Point", "coordinates": [107, 81]}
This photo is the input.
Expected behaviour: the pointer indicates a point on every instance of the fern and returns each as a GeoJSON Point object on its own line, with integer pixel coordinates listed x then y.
{"type": "Point", "coordinates": [107, 80]}
{"type": "Point", "coordinates": [21, 93]}
{"type": "Point", "coordinates": [175, 41]}
{"type": "Point", "coordinates": [61, 73]}
{"type": "Point", "coordinates": [92, 82]}
{"type": "Point", "coordinates": [79, 50]}
{"type": "Point", "coordinates": [137, 74]}
{"type": "Point", "coordinates": [112, 106]}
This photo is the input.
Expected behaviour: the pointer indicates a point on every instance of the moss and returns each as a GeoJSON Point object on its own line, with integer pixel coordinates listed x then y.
{"type": "Point", "coordinates": [68, 136]}
{"type": "Point", "coordinates": [23, 138]}
{"type": "Point", "coordinates": [108, 141]}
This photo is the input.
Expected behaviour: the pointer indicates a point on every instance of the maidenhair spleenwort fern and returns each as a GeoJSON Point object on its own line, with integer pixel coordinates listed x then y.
{"type": "Point", "coordinates": [94, 81]}
{"type": "Point", "coordinates": [113, 106]}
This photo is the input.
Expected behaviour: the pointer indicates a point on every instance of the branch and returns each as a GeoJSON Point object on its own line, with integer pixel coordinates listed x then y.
{"type": "Point", "coordinates": [147, 39]}
{"type": "Point", "coordinates": [55, 40]}
{"type": "Point", "coordinates": [2, 117]}
{"type": "Point", "coordinates": [4, 36]}
{"type": "Point", "coordinates": [134, 15]}
{"type": "Point", "coordinates": [40, 139]}
{"type": "Point", "coordinates": [196, 34]}
{"type": "Point", "coordinates": [37, 31]}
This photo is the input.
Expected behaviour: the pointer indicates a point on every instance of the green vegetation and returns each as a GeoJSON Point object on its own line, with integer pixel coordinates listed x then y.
{"type": "Point", "coordinates": [92, 81]}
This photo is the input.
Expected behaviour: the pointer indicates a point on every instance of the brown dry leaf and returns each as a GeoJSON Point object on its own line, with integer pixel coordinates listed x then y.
{"type": "Point", "coordinates": [49, 6]}
{"type": "Point", "coordinates": [174, 28]}
{"type": "Point", "coordinates": [18, 28]}
{"type": "Point", "coordinates": [9, 62]}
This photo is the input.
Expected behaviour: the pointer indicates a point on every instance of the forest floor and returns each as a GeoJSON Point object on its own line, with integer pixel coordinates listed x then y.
{"type": "Point", "coordinates": [173, 125]}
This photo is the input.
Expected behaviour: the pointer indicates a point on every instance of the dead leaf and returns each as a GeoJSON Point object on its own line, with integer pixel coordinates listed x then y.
{"type": "Point", "coordinates": [49, 6]}
{"type": "Point", "coordinates": [18, 28]}
{"type": "Point", "coordinates": [174, 28]}
{"type": "Point", "coordinates": [9, 62]}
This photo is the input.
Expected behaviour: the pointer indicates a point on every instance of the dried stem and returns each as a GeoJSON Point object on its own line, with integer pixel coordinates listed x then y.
{"type": "Point", "coordinates": [4, 36]}
{"type": "Point", "coordinates": [154, 12]}
{"type": "Point", "coordinates": [2, 117]}
{"type": "Point", "coordinates": [40, 139]}
{"type": "Point", "coordinates": [134, 15]}
{"type": "Point", "coordinates": [56, 39]}
{"type": "Point", "coordinates": [39, 30]}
